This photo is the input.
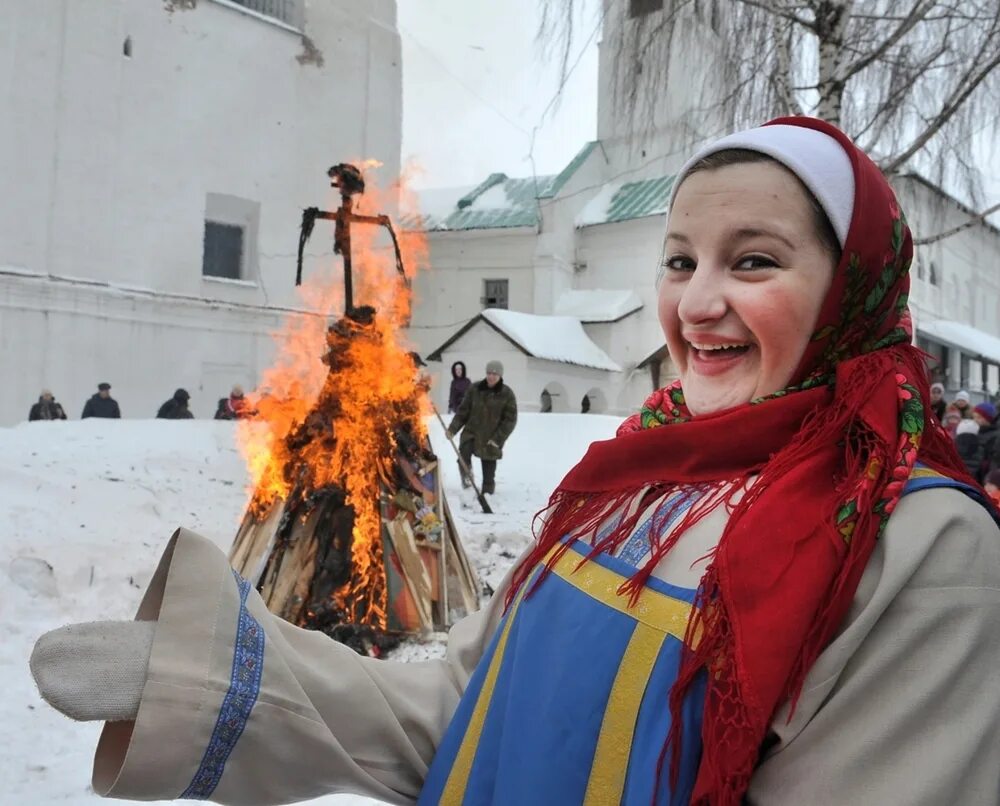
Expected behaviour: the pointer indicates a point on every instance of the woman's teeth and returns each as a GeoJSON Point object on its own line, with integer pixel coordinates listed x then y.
{"type": "Point", "coordinates": [714, 348]}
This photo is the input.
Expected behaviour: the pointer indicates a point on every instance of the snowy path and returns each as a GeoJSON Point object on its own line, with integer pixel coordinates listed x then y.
{"type": "Point", "coordinates": [87, 507]}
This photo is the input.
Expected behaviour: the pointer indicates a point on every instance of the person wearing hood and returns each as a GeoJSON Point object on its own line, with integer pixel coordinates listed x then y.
{"type": "Point", "coordinates": [176, 408]}
{"type": "Point", "coordinates": [46, 408]}
{"type": "Point", "coordinates": [460, 384]}
{"type": "Point", "coordinates": [486, 417]}
{"type": "Point", "coordinates": [102, 404]}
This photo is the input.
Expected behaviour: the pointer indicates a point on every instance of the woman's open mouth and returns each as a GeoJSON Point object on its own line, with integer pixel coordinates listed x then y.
{"type": "Point", "coordinates": [713, 359]}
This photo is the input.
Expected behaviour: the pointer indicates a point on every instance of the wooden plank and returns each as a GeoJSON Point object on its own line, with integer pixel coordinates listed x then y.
{"type": "Point", "coordinates": [415, 575]}
{"type": "Point", "coordinates": [459, 566]}
{"type": "Point", "coordinates": [254, 542]}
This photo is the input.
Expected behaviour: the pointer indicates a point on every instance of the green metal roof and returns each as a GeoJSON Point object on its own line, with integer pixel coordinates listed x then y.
{"type": "Point", "coordinates": [500, 202]}
{"type": "Point", "coordinates": [564, 175]}
{"type": "Point", "coordinates": [640, 199]}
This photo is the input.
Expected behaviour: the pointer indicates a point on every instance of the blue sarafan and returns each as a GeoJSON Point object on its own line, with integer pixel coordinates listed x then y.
{"type": "Point", "coordinates": [569, 703]}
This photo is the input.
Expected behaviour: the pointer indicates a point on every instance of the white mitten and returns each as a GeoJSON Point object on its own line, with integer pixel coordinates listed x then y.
{"type": "Point", "coordinates": [94, 671]}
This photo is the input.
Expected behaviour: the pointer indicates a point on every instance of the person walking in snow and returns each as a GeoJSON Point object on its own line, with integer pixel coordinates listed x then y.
{"type": "Point", "coordinates": [486, 418]}
{"type": "Point", "coordinates": [460, 384]}
{"type": "Point", "coordinates": [102, 404]}
{"type": "Point", "coordinates": [46, 408]}
{"type": "Point", "coordinates": [176, 408]}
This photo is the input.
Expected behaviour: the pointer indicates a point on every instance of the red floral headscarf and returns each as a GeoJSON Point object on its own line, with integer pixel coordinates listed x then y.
{"type": "Point", "coordinates": [831, 454]}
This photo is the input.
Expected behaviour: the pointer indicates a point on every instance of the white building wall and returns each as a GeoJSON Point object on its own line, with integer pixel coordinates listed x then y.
{"type": "Point", "coordinates": [108, 160]}
{"type": "Point", "coordinates": [687, 110]}
{"type": "Point", "coordinates": [70, 336]}
{"type": "Point", "coordinates": [956, 278]}
{"type": "Point", "coordinates": [625, 255]}
{"type": "Point", "coordinates": [450, 292]}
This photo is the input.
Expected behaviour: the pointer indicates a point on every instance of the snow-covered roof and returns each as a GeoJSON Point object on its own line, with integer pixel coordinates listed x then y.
{"type": "Point", "coordinates": [963, 336]}
{"type": "Point", "coordinates": [623, 201]}
{"type": "Point", "coordinates": [597, 305]}
{"type": "Point", "coordinates": [553, 338]}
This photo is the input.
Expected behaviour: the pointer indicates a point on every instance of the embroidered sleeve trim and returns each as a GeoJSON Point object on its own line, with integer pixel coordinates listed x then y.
{"type": "Point", "coordinates": [244, 686]}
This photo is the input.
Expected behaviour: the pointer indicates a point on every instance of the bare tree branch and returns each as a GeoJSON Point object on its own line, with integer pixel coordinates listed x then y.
{"type": "Point", "coordinates": [907, 25]}
{"type": "Point", "coordinates": [777, 10]}
{"type": "Point", "coordinates": [961, 94]}
{"type": "Point", "coordinates": [978, 218]}
{"type": "Point", "coordinates": [910, 80]}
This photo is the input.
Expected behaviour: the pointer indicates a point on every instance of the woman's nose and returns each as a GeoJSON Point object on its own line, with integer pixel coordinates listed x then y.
{"type": "Point", "coordinates": [704, 297]}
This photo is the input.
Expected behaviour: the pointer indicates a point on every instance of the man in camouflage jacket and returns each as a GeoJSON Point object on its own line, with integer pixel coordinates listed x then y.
{"type": "Point", "coordinates": [486, 418]}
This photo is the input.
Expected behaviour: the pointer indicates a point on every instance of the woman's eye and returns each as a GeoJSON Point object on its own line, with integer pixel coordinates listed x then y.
{"type": "Point", "coordinates": [751, 262]}
{"type": "Point", "coordinates": [679, 263]}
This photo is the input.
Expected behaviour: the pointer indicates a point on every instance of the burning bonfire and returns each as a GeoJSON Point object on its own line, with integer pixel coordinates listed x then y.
{"type": "Point", "coordinates": [347, 530]}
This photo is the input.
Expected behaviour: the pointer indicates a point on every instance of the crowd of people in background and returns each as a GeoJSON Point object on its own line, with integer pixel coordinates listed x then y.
{"type": "Point", "coordinates": [101, 404]}
{"type": "Point", "coordinates": [974, 430]}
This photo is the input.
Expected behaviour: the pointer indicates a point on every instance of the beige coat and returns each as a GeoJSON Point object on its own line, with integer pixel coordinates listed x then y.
{"type": "Point", "coordinates": [902, 708]}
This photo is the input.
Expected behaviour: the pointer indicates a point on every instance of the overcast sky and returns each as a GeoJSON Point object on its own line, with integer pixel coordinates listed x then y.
{"type": "Point", "coordinates": [475, 84]}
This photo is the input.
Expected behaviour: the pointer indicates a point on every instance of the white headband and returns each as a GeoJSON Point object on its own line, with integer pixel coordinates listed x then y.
{"type": "Point", "coordinates": [818, 160]}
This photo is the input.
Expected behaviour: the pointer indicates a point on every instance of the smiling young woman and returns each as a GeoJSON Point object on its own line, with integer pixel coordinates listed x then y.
{"type": "Point", "coordinates": [745, 272]}
{"type": "Point", "coordinates": [776, 586]}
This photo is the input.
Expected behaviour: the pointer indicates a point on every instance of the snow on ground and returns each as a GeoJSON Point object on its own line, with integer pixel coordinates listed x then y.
{"type": "Point", "coordinates": [88, 506]}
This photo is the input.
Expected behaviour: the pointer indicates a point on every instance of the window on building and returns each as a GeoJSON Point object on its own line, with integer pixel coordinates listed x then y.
{"type": "Point", "coordinates": [933, 274]}
{"type": "Point", "coordinates": [222, 254]}
{"type": "Point", "coordinates": [288, 11]}
{"type": "Point", "coordinates": [640, 8]}
{"type": "Point", "coordinates": [495, 294]}
{"type": "Point", "coordinates": [229, 241]}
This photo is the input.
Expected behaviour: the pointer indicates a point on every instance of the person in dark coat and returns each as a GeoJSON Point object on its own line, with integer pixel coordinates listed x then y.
{"type": "Point", "coordinates": [46, 408]}
{"type": "Point", "coordinates": [985, 415]}
{"type": "Point", "coordinates": [486, 417]}
{"type": "Point", "coordinates": [234, 407]}
{"type": "Point", "coordinates": [102, 404]}
{"type": "Point", "coordinates": [460, 384]}
{"type": "Point", "coordinates": [968, 446]}
{"type": "Point", "coordinates": [176, 408]}
{"type": "Point", "coordinates": [938, 403]}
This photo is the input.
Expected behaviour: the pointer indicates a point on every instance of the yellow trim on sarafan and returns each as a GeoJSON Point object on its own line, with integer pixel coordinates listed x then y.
{"type": "Point", "coordinates": [926, 473]}
{"type": "Point", "coordinates": [657, 615]}
{"type": "Point", "coordinates": [654, 609]}
{"type": "Point", "coordinates": [614, 744]}
{"type": "Point", "coordinates": [458, 779]}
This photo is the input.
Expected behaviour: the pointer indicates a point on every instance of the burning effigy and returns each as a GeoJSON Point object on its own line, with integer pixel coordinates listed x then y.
{"type": "Point", "coordinates": [347, 530]}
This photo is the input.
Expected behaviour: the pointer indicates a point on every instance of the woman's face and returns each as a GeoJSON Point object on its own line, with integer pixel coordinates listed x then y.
{"type": "Point", "coordinates": [459, 371]}
{"type": "Point", "coordinates": [744, 279]}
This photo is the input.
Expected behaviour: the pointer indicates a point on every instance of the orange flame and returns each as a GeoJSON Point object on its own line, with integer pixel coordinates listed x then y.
{"type": "Point", "coordinates": [329, 406]}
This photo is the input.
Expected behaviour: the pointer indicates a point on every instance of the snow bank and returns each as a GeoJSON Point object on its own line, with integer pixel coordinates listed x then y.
{"type": "Point", "coordinates": [88, 506]}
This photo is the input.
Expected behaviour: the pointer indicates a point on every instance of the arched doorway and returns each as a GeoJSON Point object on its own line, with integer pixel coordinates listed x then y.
{"type": "Point", "coordinates": [594, 402]}
{"type": "Point", "coordinates": [554, 399]}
